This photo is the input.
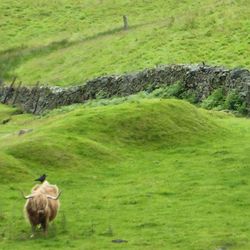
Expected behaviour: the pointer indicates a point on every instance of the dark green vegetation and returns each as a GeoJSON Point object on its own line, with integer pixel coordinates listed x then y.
{"type": "Point", "coordinates": [230, 101]}
{"type": "Point", "coordinates": [220, 99]}
{"type": "Point", "coordinates": [160, 174]}
{"type": "Point", "coordinates": [63, 42]}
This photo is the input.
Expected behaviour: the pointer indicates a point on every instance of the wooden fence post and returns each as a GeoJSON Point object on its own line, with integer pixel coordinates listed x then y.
{"type": "Point", "coordinates": [17, 92]}
{"type": "Point", "coordinates": [9, 90]}
{"type": "Point", "coordinates": [36, 103]}
{"type": "Point", "coordinates": [36, 91]}
{"type": "Point", "coordinates": [125, 22]}
{"type": "Point", "coordinates": [248, 98]}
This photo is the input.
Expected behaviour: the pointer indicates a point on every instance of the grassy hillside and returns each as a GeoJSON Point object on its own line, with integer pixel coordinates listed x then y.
{"type": "Point", "coordinates": [95, 132]}
{"type": "Point", "coordinates": [157, 173]}
{"type": "Point", "coordinates": [65, 42]}
{"type": "Point", "coordinates": [160, 174]}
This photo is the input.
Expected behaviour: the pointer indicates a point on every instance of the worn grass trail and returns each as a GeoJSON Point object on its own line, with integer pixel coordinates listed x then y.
{"type": "Point", "coordinates": [160, 174]}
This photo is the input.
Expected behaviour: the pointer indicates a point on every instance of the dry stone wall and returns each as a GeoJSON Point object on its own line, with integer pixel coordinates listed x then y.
{"type": "Point", "coordinates": [201, 79]}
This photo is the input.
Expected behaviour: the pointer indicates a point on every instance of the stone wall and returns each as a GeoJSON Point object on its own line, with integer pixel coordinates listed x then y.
{"type": "Point", "coordinates": [201, 79]}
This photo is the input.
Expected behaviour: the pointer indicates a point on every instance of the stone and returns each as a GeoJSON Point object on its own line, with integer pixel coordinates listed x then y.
{"type": "Point", "coordinates": [24, 131]}
{"type": "Point", "coordinates": [119, 241]}
{"type": "Point", "coordinates": [6, 120]}
{"type": "Point", "coordinates": [199, 79]}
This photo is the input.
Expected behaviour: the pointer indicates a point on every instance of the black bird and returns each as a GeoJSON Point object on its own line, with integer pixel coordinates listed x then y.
{"type": "Point", "coordinates": [41, 178]}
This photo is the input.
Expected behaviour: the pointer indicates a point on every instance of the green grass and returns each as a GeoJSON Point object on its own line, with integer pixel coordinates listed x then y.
{"type": "Point", "coordinates": [67, 42]}
{"type": "Point", "coordinates": [161, 174]}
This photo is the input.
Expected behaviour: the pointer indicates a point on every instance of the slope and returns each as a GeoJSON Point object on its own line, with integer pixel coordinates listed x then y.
{"type": "Point", "coordinates": [97, 133]}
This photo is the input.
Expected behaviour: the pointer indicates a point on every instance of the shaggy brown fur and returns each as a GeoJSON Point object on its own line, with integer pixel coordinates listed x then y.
{"type": "Point", "coordinates": [42, 206]}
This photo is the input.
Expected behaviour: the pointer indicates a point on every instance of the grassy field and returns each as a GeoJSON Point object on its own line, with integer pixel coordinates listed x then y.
{"type": "Point", "coordinates": [65, 42]}
{"type": "Point", "coordinates": [160, 174]}
{"type": "Point", "coordinates": [156, 173]}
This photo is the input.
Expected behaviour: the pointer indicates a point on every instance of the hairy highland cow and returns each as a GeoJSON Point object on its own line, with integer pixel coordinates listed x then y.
{"type": "Point", "coordinates": [42, 205]}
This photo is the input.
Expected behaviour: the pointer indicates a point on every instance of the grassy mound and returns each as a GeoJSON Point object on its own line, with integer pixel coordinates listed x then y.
{"type": "Point", "coordinates": [65, 43]}
{"type": "Point", "coordinates": [90, 134]}
{"type": "Point", "coordinates": [160, 174]}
